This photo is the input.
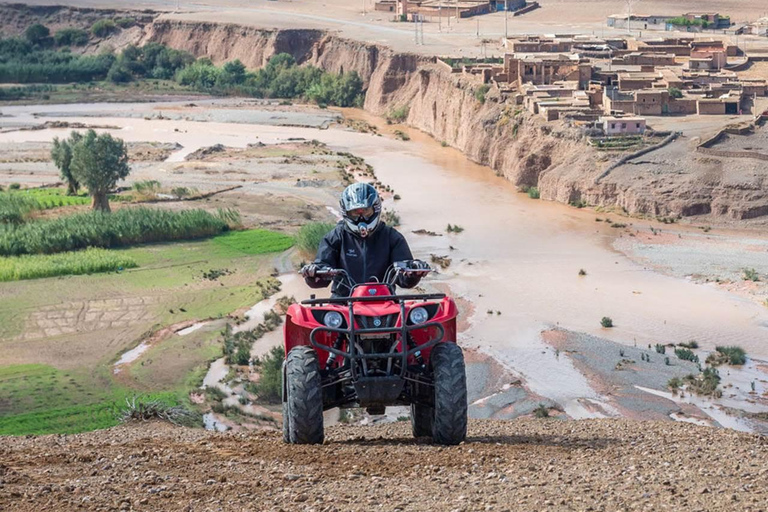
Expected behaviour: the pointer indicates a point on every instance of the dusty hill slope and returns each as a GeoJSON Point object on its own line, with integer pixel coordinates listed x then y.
{"type": "Point", "coordinates": [515, 465]}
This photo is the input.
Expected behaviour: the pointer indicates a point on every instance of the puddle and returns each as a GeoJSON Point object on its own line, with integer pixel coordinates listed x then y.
{"type": "Point", "coordinates": [131, 356]}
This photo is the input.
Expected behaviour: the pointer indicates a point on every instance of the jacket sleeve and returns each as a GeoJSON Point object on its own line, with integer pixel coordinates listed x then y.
{"type": "Point", "coordinates": [400, 251]}
{"type": "Point", "coordinates": [327, 254]}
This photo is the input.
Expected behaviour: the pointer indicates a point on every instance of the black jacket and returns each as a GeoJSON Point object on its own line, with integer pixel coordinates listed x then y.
{"type": "Point", "coordinates": [362, 258]}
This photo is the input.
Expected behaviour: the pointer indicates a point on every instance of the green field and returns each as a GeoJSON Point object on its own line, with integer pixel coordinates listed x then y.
{"type": "Point", "coordinates": [54, 401]}
{"type": "Point", "coordinates": [63, 382]}
{"type": "Point", "coordinates": [89, 261]}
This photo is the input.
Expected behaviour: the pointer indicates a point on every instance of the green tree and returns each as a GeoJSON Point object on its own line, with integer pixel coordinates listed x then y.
{"type": "Point", "coordinates": [61, 154]}
{"type": "Point", "coordinates": [38, 34]}
{"type": "Point", "coordinates": [71, 37]}
{"type": "Point", "coordinates": [233, 73]}
{"type": "Point", "coordinates": [99, 162]}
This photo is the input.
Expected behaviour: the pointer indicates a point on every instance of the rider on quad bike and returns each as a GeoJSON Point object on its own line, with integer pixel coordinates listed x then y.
{"type": "Point", "coordinates": [368, 346]}
{"type": "Point", "coordinates": [362, 244]}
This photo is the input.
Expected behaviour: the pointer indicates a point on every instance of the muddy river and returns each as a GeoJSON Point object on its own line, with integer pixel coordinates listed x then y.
{"type": "Point", "coordinates": [516, 255]}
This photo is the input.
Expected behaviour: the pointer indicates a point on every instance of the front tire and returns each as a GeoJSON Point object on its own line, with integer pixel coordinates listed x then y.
{"type": "Point", "coordinates": [450, 381]}
{"type": "Point", "coordinates": [304, 403]}
{"type": "Point", "coordinates": [421, 420]}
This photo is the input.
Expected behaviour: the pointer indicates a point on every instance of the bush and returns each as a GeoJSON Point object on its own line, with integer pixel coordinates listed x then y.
{"type": "Point", "coordinates": [582, 272]}
{"type": "Point", "coordinates": [269, 387]}
{"type": "Point", "coordinates": [71, 37]}
{"type": "Point", "coordinates": [686, 355]}
{"type": "Point", "coordinates": [751, 274]}
{"type": "Point", "coordinates": [127, 226]}
{"type": "Point", "coordinates": [103, 28]}
{"type": "Point", "coordinates": [309, 236]}
{"type": "Point", "coordinates": [661, 349]}
{"type": "Point", "coordinates": [125, 22]}
{"type": "Point", "coordinates": [14, 186]}
{"type": "Point", "coordinates": [399, 114]}
{"type": "Point", "coordinates": [690, 344]}
{"type": "Point", "coordinates": [542, 411]}
{"type": "Point", "coordinates": [705, 383]}
{"type": "Point", "coordinates": [142, 409]}
{"type": "Point", "coordinates": [727, 355]}
{"type": "Point", "coordinates": [675, 92]}
{"type": "Point", "coordinates": [606, 322]}
{"type": "Point", "coordinates": [481, 91]}
{"type": "Point", "coordinates": [402, 135]}
{"type": "Point", "coordinates": [534, 193]}
{"type": "Point", "coordinates": [38, 34]}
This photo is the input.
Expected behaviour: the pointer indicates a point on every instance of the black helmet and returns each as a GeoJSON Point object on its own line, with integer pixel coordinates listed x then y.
{"type": "Point", "coordinates": [361, 207]}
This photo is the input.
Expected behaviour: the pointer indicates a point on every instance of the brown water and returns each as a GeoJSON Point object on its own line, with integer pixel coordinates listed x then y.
{"type": "Point", "coordinates": [516, 255]}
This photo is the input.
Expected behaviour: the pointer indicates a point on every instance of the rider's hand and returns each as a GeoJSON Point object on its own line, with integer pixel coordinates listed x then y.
{"type": "Point", "coordinates": [419, 265]}
{"type": "Point", "coordinates": [312, 269]}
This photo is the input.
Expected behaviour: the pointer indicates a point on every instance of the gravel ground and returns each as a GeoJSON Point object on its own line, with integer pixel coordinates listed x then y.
{"type": "Point", "coordinates": [513, 465]}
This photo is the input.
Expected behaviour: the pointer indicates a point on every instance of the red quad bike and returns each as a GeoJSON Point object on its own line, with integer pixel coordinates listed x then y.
{"type": "Point", "coordinates": [374, 349]}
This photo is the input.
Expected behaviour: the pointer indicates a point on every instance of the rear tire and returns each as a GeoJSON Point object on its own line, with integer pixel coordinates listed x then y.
{"type": "Point", "coordinates": [305, 397]}
{"type": "Point", "coordinates": [421, 420]}
{"type": "Point", "coordinates": [450, 379]}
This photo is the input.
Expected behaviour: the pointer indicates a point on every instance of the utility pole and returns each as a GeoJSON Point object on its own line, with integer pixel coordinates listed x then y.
{"type": "Point", "coordinates": [506, 19]}
{"type": "Point", "coordinates": [478, 28]}
{"type": "Point", "coordinates": [440, 16]}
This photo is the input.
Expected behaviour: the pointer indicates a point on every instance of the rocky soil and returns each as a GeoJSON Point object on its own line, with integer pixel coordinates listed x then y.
{"type": "Point", "coordinates": [523, 464]}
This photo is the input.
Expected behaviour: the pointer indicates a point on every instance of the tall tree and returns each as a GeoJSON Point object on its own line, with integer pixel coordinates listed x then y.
{"type": "Point", "coordinates": [61, 153]}
{"type": "Point", "coordinates": [99, 162]}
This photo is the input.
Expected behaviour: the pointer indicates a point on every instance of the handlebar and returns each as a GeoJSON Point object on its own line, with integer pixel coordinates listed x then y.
{"type": "Point", "coordinates": [390, 277]}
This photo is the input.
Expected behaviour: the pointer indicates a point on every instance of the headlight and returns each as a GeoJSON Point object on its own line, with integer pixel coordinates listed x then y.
{"type": "Point", "coordinates": [418, 315]}
{"type": "Point", "coordinates": [333, 319]}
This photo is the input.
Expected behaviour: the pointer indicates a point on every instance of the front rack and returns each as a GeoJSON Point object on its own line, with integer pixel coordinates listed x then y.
{"type": "Point", "coordinates": [353, 355]}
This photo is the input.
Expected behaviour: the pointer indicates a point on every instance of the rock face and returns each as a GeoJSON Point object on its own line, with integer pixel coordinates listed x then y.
{"type": "Point", "coordinates": [522, 148]}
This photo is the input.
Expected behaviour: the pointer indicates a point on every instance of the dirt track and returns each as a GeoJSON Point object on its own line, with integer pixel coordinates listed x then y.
{"type": "Point", "coordinates": [514, 465]}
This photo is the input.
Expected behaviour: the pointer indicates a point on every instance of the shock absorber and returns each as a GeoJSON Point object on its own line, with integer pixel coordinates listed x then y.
{"type": "Point", "coordinates": [332, 356]}
{"type": "Point", "coordinates": [416, 355]}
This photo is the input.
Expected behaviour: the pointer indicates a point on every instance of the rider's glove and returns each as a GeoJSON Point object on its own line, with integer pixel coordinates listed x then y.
{"type": "Point", "coordinates": [418, 265]}
{"type": "Point", "coordinates": [311, 270]}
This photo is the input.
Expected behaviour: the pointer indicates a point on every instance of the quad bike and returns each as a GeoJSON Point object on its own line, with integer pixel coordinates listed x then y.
{"type": "Point", "coordinates": [374, 349]}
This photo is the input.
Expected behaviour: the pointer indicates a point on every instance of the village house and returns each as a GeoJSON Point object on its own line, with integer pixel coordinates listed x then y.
{"type": "Point", "coordinates": [544, 69]}
{"type": "Point", "coordinates": [623, 125]}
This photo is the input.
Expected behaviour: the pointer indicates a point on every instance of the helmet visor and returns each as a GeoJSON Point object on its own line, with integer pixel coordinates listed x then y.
{"type": "Point", "coordinates": [358, 214]}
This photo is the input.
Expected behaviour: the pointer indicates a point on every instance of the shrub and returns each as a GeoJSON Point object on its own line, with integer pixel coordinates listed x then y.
{"type": "Point", "coordinates": [103, 28]}
{"type": "Point", "coordinates": [309, 236]}
{"type": "Point", "coordinates": [269, 386]}
{"type": "Point", "coordinates": [89, 261]}
{"type": "Point", "coordinates": [727, 355]}
{"type": "Point", "coordinates": [675, 92]}
{"type": "Point", "coordinates": [402, 135]}
{"type": "Point", "coordinates": [127, 226]}
{"type": "Point", "coordinates": [37, 34]}
{"type": "Point", "coordinates": [661, 349]}
{"type": "Point", "coordinates": [125, 22]}
{"type": "Point", "coordinates": [582, 272]}
{"type": "Point", "coordinates": [481, 91]}
{"type": "Point", "coordinates": [706, 383]}
{"type": "Point", "coordinates": [399, 114]}
{"type": "Point", "coordinates": [534, 193]}
{"type": "Point", "coordinates": [391, 218]}
{"type": "Point", "coordinates": [606, 322]}
{"type": "Point", "coordinates": [675, 384]}
{"type": "Point", "coordinates": [454, 228]}
{"type": "Point", "coordinates": [71, 37]}
{"type": "Point", "coordinates": [14, 186]}
{"type": "Point", "coordinates": [751, 274]}
{"type": "Point", "coordinates": [686, 355]}
{"type": "Point", "coordinates": [542, 411]}
{"type": "Point", "coordinates": [690, 344]}
{"type": "Point", "coordinates": [214, 393]}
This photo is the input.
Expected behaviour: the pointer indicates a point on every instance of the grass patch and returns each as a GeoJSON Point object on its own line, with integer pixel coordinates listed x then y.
{"type": "Point", "coordinates": [254, 241]}
{"type": "Point", "coordinates": [727, 355]}
{"type": "Point", "coordinates": [15, 207]}
{"type": "Point", "coordinates": [309, 236]}
{"type": "Point", "coordinates": [481, 91]}
{"type": "Point", "coordinates": [399, 114]}
{"type": "Point", "coordinates": [691, 344]}
{"type": "Point", "coordinates": [128, 226]}
{"type": "Point", "coordinates": [400, 134]}
{"type": "Point", "coordinates": [269, 387]}
{"type": "Point", "coordinates": [89, 261]}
